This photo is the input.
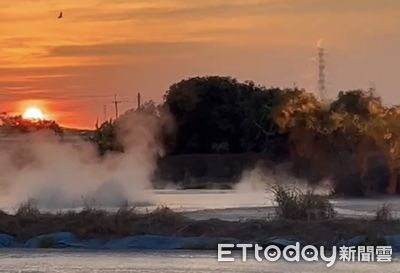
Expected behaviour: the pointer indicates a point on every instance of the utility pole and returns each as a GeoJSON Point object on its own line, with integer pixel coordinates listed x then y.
{"type": "Point", "coordinates": [372, 87]}
{"type": "Point", "coordinates": [104, 113]}
{"type": "Point", "coordinates": [116, 102]}
{"type": "Point", "coordinates": [138, 101]}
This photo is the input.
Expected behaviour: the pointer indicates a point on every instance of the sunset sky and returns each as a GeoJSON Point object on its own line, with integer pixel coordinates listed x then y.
{"type": "Point", "coordinates": [72, 67]}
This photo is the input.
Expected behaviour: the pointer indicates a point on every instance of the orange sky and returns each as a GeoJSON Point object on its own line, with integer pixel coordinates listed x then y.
{"type": "Point", "coordinates": [72, 67]}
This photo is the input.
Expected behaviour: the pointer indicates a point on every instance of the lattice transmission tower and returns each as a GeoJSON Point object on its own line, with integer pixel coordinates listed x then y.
{"type": "Point", "coordinates": [321, 74]}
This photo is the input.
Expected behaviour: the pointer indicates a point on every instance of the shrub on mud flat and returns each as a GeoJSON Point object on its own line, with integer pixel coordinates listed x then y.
{"type": "Point", "coordinates": [164, 216]}
{"type": "Point", "coordinates": [92, 221]}
{"type": "Point", "coordinates": [125, 214]}
{"type": "Point", "coordinates": [384, 213]}
{"type": "Point", "coordinates": [28, 210]}
{"type": "Point", "coordinates": [292, 204]}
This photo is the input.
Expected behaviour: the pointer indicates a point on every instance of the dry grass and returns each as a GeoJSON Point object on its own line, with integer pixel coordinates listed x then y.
{"type": "Point", "coordinates": [90, 222]}
{"type": "Point", "coordinates": [125, 214]}
{"type": "Point", "coordinates": [28, 210]}
{"type": "Point", "coordinates": [384, 213]}
{"type": "Point", "coordinates": [164, 216]}
{"type": "Point", "coordinates": [96, 223]}
{"type": "Point", "coordinates": [292, 209]}
{"type": "Point", "coordinates": [292, 204]}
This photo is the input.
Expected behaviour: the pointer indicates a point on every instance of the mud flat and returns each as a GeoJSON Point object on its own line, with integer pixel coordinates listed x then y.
{"type": "Point", "coordinates": [172, 261]}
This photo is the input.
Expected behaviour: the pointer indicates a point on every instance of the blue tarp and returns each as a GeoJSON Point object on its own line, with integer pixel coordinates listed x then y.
{"type": "Point", "coordinates": [206, 242]}
{"type": "Point", "coordinates": [394, 242]}
{"type": "Point", "coordinates": [53, 240]}
{"type": "Point", "coordinates": [162, 242]}
{"type": "Point", "coordinates": [7, 240]}
{"type": "Point", "coordinates": [355, 241]}
{"type": "Point", "coordinates": [280, 242]}
{"type": "Point", "coordinates": [146, 242]}
{"type": "Point", "coordinates": [69, 240]}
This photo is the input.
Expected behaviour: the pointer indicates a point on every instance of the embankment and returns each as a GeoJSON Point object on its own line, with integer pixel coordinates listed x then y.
{"type": "Point", "coordinates": [165, 229]}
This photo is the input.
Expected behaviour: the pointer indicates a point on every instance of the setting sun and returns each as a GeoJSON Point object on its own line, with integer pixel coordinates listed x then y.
{"type": "Point", "coordinates": [33, 113]}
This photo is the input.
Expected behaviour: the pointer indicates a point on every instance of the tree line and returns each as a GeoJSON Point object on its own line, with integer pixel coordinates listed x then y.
{"type": "Point", "coordinates": [354, 141]}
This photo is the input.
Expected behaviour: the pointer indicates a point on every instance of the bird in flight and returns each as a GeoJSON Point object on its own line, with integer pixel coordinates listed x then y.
{"type": "Point", "coordinates": [60, 15]}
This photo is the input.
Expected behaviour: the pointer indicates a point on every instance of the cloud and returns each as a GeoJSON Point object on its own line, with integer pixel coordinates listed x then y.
{"type": "Point", "coordinates": [168, 10]}
{"type": "Point", "coordinates": [175, 10]}
{"type": "Point", "coordinates": [128, 48]}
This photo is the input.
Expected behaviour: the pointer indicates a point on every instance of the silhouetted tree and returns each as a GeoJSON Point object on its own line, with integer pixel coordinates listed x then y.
{"type": "Point", "coordinates": [354, 142]}
{"type": "Point", "coordinates": [221, 115]}
{"type": "Point", "coordinates": [17, 124]}
{"type": "Point", "coordinates": [106, 139]}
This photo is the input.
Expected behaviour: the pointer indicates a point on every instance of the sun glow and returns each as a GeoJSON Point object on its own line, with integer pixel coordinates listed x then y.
{"type": "Point", "coordinates": [33, 113]}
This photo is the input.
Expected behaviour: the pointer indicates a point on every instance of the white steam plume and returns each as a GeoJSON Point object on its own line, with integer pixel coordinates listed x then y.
{"type": "Point", "coordinates": [59, 174]}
